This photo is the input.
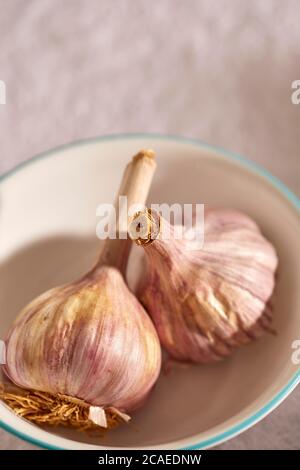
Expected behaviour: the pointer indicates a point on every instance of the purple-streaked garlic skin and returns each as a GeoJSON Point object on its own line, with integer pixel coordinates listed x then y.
{"type": "Point", "coordinates": [208, 301]}
{"type": "Point", "coordinates": [90, 339]}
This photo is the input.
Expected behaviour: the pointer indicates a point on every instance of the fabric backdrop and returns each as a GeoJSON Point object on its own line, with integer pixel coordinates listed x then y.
{"type": "Point", "coordinates": [220, 71]}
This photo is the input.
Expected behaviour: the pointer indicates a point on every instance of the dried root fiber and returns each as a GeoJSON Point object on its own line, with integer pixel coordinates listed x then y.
{"type": "Point", "coordinates": [54, 410]}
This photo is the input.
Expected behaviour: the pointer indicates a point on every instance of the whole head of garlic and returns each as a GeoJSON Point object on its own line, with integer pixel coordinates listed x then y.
{"type": "Point", "coordinates": [90, 339]}
{"type": "Point", "coordinates": [205, 302]}
{"type": "Point", "coordinates": [88, 343]}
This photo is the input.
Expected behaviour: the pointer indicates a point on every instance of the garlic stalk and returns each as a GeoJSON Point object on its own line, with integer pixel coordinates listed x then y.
{"type": "Point", "coordinates": [89, 340]}
{"type": "Point", "coordinates": [206, 302]}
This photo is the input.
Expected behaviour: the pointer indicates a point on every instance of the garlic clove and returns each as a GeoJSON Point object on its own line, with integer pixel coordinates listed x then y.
{"type": "Point", "coordinates": [206, 302]}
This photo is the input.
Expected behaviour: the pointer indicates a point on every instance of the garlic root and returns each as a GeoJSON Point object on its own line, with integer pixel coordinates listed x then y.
{"type": "Point", "coordinates": [55, 410]}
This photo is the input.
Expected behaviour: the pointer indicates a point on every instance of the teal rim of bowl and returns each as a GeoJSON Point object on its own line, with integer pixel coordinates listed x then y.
{"type": "Point", "coordinates": [255, 168]}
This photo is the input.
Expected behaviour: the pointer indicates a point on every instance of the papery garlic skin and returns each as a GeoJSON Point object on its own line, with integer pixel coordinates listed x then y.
{"type": "Point", "coordinates": [90, 339]}
{"type": "Point", "coordinates": [206, 302]}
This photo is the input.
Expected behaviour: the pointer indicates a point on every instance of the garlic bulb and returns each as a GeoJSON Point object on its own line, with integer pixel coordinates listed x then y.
{"type": "Point", "coordinates": [206, 302]}
{"type": "Point", "coordinates": [90, 340]}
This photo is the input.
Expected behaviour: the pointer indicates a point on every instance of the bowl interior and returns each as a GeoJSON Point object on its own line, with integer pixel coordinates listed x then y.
{"type": "Point", "coordinates": [47, 237]}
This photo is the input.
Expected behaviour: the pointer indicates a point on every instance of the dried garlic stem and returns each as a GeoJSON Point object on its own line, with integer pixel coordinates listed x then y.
{"type": "Point", "coordinates": [135, 185]}
{"type": "Point", "coordinates": [145, 227]}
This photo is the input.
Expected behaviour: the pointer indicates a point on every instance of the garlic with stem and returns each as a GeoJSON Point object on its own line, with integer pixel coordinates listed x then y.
{"type": "Point", "coordinates": [89, 340]}
{"type": "Point", "coordinates": [206, 302]}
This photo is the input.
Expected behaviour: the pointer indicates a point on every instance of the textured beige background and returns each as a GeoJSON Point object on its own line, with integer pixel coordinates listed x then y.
{"type": "Point", "coordinates": [220, 71]}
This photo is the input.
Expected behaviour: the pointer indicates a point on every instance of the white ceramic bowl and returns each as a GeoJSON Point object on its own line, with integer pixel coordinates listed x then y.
{"type": "Point", "coordinates": [47, 237]}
